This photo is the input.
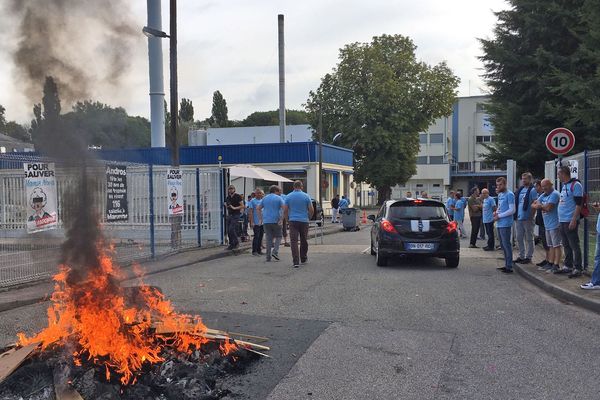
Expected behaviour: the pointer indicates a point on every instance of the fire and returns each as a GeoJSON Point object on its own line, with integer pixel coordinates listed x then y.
{"type": "Point", "coordinates": [94, 315]}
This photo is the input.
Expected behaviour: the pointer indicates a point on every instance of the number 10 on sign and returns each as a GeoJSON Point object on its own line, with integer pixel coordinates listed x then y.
{"type": "Point", "coordinates": [560, 141]}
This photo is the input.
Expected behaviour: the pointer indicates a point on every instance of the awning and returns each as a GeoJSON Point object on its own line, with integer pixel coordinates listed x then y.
{"type": "Point", "coordinates": [348, 172]}
{"type": "Point", "coordinates": [331, 171]}
{"type": "Point", "coordinates": [250, 171]}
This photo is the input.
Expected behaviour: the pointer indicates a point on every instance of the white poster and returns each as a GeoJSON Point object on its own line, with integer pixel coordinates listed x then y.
{"type": "Point", "coordinates": [574, 166]}
{"type": "Point", "coordinates": [175, 191]}
{"type": "Point", "coordinates": [40, 189]}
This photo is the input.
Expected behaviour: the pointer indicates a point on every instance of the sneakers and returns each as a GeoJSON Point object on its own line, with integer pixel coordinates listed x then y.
{"type": "Point", "coordinates": [590, 286]}
{"type": "Point", "coordinates": [523, 260]}
{"type": "Point", "coordinates": [563, 270]}
{"type": "Point", "coordinates": [472, 246]}
{"type": "Point", "coordinates": [519, 260]}
{"type": "Point", "coordinates": [576, 273]}
{"type": "Point", "coordinates": [553, 269]}
{"type": "Point", "coordinates": [254, 253]}
{"type": "Point", "coordinates": [305, 261]}
{"type": "Point", "coordinates": [286, 244]}
{"type": "Point", "coordinates": [487, 249]}
{"type": "Point", "coordinates": [542, 264]}
{"type": "Point", "coordinates": [296, 266]}
{"type": "Point", "coordinates": [505, 270]}
{"type": "Point", "coordinates": [275, 256]}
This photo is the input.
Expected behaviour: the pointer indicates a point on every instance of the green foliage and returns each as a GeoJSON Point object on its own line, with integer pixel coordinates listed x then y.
{"type": "Point", "coordinates": [269, 118]}
{"type": "Point", "coordinates": [11, 128]}
{"type": "Point", "coordinates": [46, 126]}
{"type": "Point", "coordinates": [186, 110]}
{"type": "Point", "coordinates": [2, 116]}
{"type": "Point", "coordinates": [380, 97]}
{"type": "Point", "coordinates": [542, 67]}
{"type": "Point", "coordinates": [219, 117]}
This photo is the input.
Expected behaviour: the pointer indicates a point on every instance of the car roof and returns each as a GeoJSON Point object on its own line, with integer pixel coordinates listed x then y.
{"type": "Point", "coordinates": [437, 202]}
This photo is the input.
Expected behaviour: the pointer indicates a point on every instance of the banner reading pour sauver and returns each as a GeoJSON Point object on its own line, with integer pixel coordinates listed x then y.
{"type": "Point", "coordinates": [175, 192]}
{"type": "Point", "coordinates": [40, 189]}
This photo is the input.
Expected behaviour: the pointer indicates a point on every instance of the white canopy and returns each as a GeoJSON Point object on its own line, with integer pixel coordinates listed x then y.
{"type": "Point", "coordinates": [251, 171]}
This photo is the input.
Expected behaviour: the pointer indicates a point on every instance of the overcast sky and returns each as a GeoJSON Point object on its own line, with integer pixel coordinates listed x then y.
{"type": "Point", "coordinates": [231, 46]}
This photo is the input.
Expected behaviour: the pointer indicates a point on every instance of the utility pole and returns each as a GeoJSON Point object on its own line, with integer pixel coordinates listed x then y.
{"type": "Point", "coordinates": [177, 219]}
{"type": "Point", "coordinates": [320, 157]}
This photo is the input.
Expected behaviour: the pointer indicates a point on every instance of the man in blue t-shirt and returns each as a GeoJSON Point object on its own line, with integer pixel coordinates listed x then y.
{"type": "Point", "coordinates": [271, 209]}
{"type": "Point", "coordinates": [548, 204]}
{"type": "Point", "coordinates": [298, 210]}
{"type": "Point", "coordinates": [594, 283]}
{"type": "Point", "coordinates": [504, 220]}
{"type": "Point", "coordinates": [344, 203]}
{"type": "Point", "coordinates": [489, 206]}
{"type": "Point", "coordinates": [450, 205]}
{"type": "Point", "coordinates": [256, 222]}
{"type": "Point", "coordinates": [524, 198]}
{"type": "Point", "coordinates": [569, 211]}
{"type": "Point", "coordinates": [459, 213]}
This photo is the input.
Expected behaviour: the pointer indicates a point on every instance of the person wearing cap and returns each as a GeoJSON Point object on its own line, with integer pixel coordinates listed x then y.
{"type": "Point", "coordinates": [234, 204]}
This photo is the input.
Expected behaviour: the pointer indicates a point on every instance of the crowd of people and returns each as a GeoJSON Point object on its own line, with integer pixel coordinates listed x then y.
{"type": "Point", "coordinates": [513, 216]}
{"type": "Point", "coordinates": [269, 217]}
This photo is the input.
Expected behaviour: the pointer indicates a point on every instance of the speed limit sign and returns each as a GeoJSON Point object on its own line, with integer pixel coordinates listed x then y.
{"type": "Point", "coordinates": [560, 141]}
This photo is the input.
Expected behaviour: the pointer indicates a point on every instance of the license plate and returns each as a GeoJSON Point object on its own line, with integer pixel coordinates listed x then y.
{"type": "Point", "coordinates": [420, 246]}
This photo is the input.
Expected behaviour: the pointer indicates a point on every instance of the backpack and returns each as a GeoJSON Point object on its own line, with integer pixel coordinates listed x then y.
{"type": "Point", "coordinates": [585, 209]}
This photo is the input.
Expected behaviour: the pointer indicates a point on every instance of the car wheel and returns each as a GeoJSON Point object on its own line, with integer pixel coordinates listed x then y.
{"type": "Point", "coordinates": [373, 252]}
{"type": "Point", "coordinates": [452, 262]}
{"type": "Point", "coordinates": [380, 260]}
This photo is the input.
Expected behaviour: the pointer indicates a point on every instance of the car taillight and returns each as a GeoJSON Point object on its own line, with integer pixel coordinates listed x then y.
{"type": "Point", "coordinates": [387, 226]}
{"type": "Point", "coordinates": [451, 227]}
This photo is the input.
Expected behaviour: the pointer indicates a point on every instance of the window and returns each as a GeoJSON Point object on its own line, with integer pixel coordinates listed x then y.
{"type": "Point", "coordinates": [421, 160]}
{"type": "Point", "coordinates": [464, 166]}
{"type": "Point", "coordinates": [480, 107]}
{"type": "Point", "coordinates": [423, 139]}
{"type": "Point", "coordinates": [410, 210]}
{"type": "Point", "coordinates": [487, 166]}
{"type": "Point", "coordinates": [288, 187]}
{"type": "Point", "coordinates": [436, 159]}
{"type": "Point", "coordinates": [436, 138]}
{"type": "Point", "coordinates": [419, 185]}
{"type": "Point", "coordinates": [436, 185]}
{"type": "Point", "coordinates": [346, 185]}
{"type": "Point", "coordinates": [484, 139]}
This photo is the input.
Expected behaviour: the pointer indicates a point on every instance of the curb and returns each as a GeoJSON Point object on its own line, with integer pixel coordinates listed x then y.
{"type": "Point", "coordinates": [559, 292]}
{"type": "Point", "coordinates": [11, 305]}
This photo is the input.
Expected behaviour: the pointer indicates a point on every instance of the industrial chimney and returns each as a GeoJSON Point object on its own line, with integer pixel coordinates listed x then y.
{"type": "Point", "coordinates": [157, 90]}
{"type": "Point", "coordinates": [281, 79]}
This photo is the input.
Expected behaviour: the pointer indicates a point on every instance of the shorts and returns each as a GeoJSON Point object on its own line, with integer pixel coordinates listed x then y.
{"type": "Point", "coordinates": [553, 237]}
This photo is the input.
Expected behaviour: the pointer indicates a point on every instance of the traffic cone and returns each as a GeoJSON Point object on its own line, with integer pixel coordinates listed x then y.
{"type": "Point", "coordinates": [364, 218]}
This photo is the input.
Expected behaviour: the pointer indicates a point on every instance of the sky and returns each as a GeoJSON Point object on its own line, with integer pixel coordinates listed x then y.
{"type": "Point", "coordinates": [231, 46]}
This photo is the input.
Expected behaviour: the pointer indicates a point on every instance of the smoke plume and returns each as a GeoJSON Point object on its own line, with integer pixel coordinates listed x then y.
{"type": "Point", "coordinates": [83, 44]}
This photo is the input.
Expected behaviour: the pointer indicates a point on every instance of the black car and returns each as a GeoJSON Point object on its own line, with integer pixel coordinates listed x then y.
{"type": "Point", "coordinates": [414, 227]}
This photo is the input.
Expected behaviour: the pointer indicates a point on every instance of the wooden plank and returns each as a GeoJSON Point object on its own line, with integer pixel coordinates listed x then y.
{"type": "Point", "coordinates": [11, 360]}
{"type": "Point", "coordinates": [252, 345]}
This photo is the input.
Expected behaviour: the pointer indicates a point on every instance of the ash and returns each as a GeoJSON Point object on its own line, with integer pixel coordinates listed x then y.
{"type": "Point", "coordinates": [200, 375]}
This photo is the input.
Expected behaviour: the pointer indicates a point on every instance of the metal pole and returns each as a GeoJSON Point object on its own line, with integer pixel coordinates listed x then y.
{"type": "Point", "coordinates": [280, 27]}
{"type": "Point", "coordinates": [151, 208]}
{"type": "Point", "coordinates": [173, 60]}
{"type": "Point", "coordinates": [320, 158]}
{"type": "Point", "coordinates": [586, 228]}
{"type": "Point", "coordinates": [155, 64]}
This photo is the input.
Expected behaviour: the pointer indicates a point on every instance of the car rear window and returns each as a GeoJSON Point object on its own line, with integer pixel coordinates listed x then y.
{"type": "Point", "coordinates": [416, 210]}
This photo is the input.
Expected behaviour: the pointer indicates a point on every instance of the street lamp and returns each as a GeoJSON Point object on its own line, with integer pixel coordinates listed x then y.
{"type": "Point", "coordinates": [151, 32]}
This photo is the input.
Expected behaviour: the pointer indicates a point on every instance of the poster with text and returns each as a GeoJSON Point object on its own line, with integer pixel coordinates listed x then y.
{"type": "Point", "coordinates": [175, 191]}
{"type": "Point", "coordinates": [116, 193]}
{"type": "Point", "coordinates": [40, 189]}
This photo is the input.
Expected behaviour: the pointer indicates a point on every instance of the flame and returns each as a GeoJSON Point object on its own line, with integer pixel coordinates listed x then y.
{"type": "Point", "coordinates": [107, 331]}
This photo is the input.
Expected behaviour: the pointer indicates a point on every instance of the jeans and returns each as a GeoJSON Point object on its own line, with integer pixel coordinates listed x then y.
{"type": "Point", "coordinates": [461, 228]}
{"type": "Point", "coordinates": [232, 226]}
{"type": "Point", "coordinates": [272, 231]}
{"type": "Point", "coordinates": [596, 273]}
{"type": "Point", "coordinates": [489, 228]}
{"type": "Point", "coordinates": [570, 241]}
{"type": "Point", "coordinates": [506, 244]}
{"type": "Point", "coordinates": [258, 238]}
{"type": "Point", "coordinates": [525, 238]}
{"type": "Point", "coordinates": [299, 229]}
{"type": "Point", "coordinates": [482, 230]}
{"type": "Point", "coordinates": [475, 225]}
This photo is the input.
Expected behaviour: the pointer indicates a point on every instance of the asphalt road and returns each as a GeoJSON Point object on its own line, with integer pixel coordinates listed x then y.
{"type": "Point", "coordinates": [412, 330]}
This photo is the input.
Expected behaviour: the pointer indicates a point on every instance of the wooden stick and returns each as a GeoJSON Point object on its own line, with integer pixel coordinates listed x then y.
{"type": "Point", "coordinates": [10, 360]}
{"type": "Point", "coordinates": [258, 352]}
{"type": "Point", "coordinates": [253, 345]}
{"type": "Point", "coordinates": [259, 338]}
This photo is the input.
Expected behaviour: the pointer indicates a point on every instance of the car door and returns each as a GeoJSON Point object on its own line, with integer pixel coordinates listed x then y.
{"type": "Point", "coordinates": [377, 226]}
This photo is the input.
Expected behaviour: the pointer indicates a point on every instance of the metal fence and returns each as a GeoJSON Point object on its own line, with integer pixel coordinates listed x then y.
{"type": "Point", "coordinates": [146, 234]}
{"type": "Point", "coordinates": [588, 171]}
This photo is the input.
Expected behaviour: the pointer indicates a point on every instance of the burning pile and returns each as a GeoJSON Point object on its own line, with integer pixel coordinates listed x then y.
{"type": "Point", "coordinates": [122, 336]}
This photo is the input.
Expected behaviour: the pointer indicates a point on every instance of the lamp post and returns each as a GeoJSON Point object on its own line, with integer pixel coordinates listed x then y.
{"type": "Point", "coordinates": [151, 32]}
{"type": "Point", "coordinates": [321, 180]}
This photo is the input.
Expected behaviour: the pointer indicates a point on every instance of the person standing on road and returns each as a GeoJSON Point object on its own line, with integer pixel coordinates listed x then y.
{"type": "Point", "coordinates": [450, 201]}
{"type": "Point", "coordinates": [594, 283]}
{"type": "Point", "coordinates": [256, 222]}
{"type": "Point", "coordinates": [271, 210]}
{"type": "Point", "coordinates": [475, 212]}
{"type": "Point", "coordinates": [284, 225]}
{"type": "Point", "coordinates": [459, 214]}
{"type": "Point", "coordinates": [344, 203]}
{"type": "Point", "coordinates": [298, 211]}
{"type": "Point", "coordinates": [524, 197]}
{"type": "Point", "coordinates": [335, 205]}
{"type": "Point", "coordinates": [547, 204]}
{"type": "Point", "coordinates": [539, 221]}
{"type": "Point", "coordinates": [504, 220]}
{"type": "Point", "coordinates": [234, 204]}
{"type": "Point", "coordinates": [489, 206]}
{"type": "Point", "coordinates": [569, 211]}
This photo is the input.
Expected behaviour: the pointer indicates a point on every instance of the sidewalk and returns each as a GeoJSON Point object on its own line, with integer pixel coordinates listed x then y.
{"type": "Point", "coordinates": [20, 296]}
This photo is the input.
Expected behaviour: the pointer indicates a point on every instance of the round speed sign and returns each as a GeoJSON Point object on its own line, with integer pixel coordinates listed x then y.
{"type": "Point", "coordinates": [560, 141]}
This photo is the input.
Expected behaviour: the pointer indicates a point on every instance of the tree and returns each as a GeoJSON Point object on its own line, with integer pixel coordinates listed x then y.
{"type": "Point", "coordinates": [219, 111]}
{"type": "Point", "coordinates": [186, 110]}
{"type": "Point", "coordinates": [380, 97]}
{"type": "Point", "coordinates": [2, 116]}
{"type": "Point", "coordinates": [269, 118]}
{"type": "Point", "coordinates": [542, 68]}
{"type": "Point", "coordinates": [11, 128]}
{"type": "Point", "coordinates": [45, 128]}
